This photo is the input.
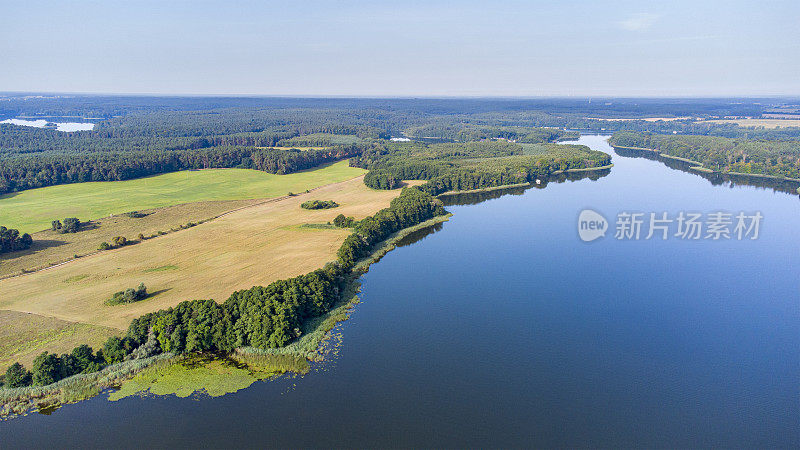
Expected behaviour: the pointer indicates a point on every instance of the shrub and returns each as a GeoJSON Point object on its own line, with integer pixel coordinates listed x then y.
{"type": "Point", "coordinates": [104, 246]}
{"type": "Point", "coordinates": [119, 241]}
{"type": "Point", "coordinates": [129, 295]}
{"type": "Point", "coordinates": [319, 204]}
{"type": "Point", "coordinates": [71, 225]}
{"type": "Point", "coordinates": [343, 222]}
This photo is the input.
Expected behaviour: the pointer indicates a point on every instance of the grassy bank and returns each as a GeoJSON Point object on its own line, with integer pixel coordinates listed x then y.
{"type": "Point", "coordinates": [20, 401]}
{"type": "Point", "coordinates": [23, 336]}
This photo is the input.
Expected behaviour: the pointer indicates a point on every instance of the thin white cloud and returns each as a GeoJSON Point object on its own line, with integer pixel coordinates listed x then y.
{"type": "Point", "coordinates": [674, 39]}
{"type": "Point", "coordinates": [638, 22]}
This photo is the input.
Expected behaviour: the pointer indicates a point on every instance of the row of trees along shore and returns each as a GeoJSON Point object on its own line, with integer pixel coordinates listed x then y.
{"type": "Point", "coordinates": [262, 316]}
{"type": "Point", "coordinates": [764, 157]}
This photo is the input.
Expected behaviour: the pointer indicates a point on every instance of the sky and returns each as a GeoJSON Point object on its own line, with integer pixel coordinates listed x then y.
{"type": "Point", "coordinates": [402, 48]}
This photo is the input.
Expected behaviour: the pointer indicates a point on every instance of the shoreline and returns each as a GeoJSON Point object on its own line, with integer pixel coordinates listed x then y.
{"type": "Point", "coordinates": [19, 402]}
{"type": "Point", "coordinates": [311, 346]}
{"type": "Point", "coordinates": [486, 189]}
{"type": "Point", "coordinates": [586, 169]}
{"type": "Point", "coordinates": [526, 184]}
{"type": "Point", "coordinates": [316, 332]}
{"type": "Point", "coordinates": [701, 168]}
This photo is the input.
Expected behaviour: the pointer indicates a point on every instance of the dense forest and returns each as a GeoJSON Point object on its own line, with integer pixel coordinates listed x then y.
{"type": "Point", "coordinates": [140, 136]}
{"type": "Point", "coordinates": [776, 158]}
{"type": "Point", "coordinates": [450, 167]}
{"type": "Point", "coordinates": [262, 316]}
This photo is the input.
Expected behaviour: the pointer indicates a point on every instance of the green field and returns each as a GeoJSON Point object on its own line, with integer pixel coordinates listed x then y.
{"type": "Point", "coordinates": [34, 209]}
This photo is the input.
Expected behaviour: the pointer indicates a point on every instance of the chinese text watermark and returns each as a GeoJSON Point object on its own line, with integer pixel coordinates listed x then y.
{"type": "Point", "coordinates": [718, 225]}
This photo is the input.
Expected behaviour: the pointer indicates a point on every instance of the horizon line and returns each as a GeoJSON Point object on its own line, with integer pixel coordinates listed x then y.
{"type": "Point", "coordinates": [406, 97]}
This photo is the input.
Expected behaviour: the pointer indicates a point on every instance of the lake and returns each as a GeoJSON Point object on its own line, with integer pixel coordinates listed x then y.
{"type": "Point", "coordinates": [503, 329]}
{"type": "Point", "coordinates": [60, 126]}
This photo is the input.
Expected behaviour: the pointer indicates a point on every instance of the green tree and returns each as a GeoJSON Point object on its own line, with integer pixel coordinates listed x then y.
{"type": "Point", "coordinates": [141, 291]}
{"type": "Point", "coordinates": [84, 357]}
{"type": "Point", "coordinates": [17, 376]}
{"type": "Point", "coordinates": [46, 369]}
{"type": "Point", "coordinates": [113, 350]}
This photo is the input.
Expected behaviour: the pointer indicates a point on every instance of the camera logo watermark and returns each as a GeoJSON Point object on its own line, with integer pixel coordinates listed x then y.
{"type": "Point", "coordinates": [719, 225]}
{"type": "Point", "coordinates": [591, 225]}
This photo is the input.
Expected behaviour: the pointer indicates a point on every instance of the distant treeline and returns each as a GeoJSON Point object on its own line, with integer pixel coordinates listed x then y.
{"type": "Point", "coordinates": [466, 132]}
{"type": "Point", "coordinates": [262, 316]}
{"type": "Point", "coordinates": [142, 143]}
{"type": "Point", "coordinates": [490, 125]}
{"type": "Point", "coordinates": [776, 158]}
{"type": "Point", "coordinates": [144, 136]}
{"type": "Point", "coordinates": [11, 240]}
{"type": "Point", "coordinates": [453, 167]}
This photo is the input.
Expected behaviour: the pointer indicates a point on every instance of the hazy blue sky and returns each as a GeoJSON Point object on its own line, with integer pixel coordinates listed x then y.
{"type": "Point", "coordinates": [375, 48]}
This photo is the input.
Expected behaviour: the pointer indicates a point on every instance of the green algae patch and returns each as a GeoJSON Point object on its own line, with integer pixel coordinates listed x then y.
{"type": "Point", "coordinates": [212, 375]}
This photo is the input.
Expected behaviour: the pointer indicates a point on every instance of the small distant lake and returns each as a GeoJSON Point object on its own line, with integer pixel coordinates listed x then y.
{"type": "Point", "coordinates": [60, 126]}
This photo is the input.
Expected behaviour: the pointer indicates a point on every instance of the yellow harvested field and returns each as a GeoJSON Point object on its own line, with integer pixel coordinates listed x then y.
{"type": "Point", "coordinates": [24, 336]}
{"type": "Point", "coordinates": [50, 247]}
{"type": "Point", "coordinates": [250, 246]}
{"type": "Point", "coordinates": [766, 123]}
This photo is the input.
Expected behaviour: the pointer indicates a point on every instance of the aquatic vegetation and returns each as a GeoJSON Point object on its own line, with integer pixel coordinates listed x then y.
{"type": "Point", "coordinates": [212, 375]}
{"type": "Point", "coordinates": [79, 387]}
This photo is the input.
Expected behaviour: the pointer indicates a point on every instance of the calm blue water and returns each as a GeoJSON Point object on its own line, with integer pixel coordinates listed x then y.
{"type": "Point", "coordinates": [504, 329]}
